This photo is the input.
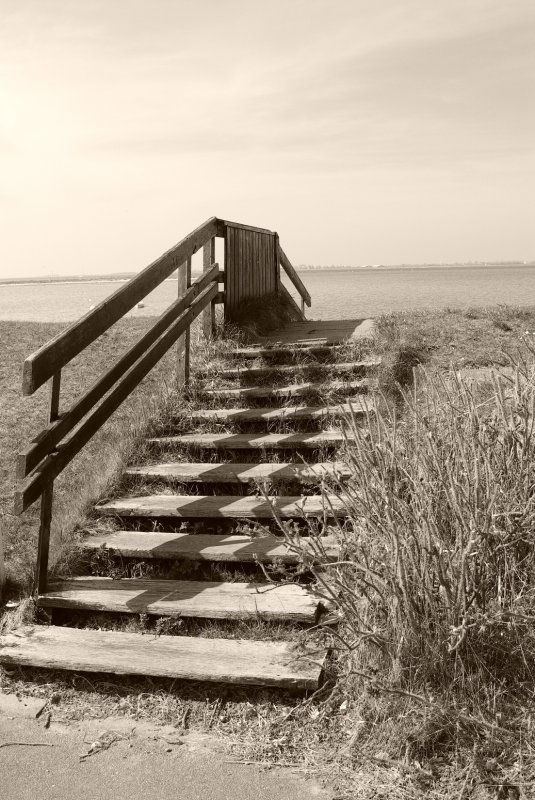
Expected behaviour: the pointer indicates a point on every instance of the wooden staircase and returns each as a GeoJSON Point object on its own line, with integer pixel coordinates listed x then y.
{"type": "Point", "coordinates": [204, 532]}
{"type": "Point", "coordinates": [212, 491]}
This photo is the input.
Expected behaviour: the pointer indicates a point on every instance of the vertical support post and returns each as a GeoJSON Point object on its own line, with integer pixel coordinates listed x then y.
{"type": "Point", "coordinates": [303, 306]}
{"type": "Point", "coordinates": [183, 346]}
{"type": "Point", "coordinates": [47, 497]}
{"type": "Point", "coordinates": [277, 264]}
{"type": "Point", "coordinates": [2, 566]}
{"type": "Point", "coordinates": [208, 315]}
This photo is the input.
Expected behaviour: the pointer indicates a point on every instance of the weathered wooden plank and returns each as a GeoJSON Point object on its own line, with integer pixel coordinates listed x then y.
{"type": "Point", "coordinates": [295, 390]}
{"type": "Point", "coordinates": [294, 277]}
{"type": "Point", "coordinates": [2, 563]}
{"type": "Point", "coordinates": [183, 344]}
{"type": "Point", "coordinates": [283, 291]}
{"type": "Point", "coordinates": [234, 661]}
{"type": "Point", "coordinates": [254, 441]}
{"type": "Point", "coordinates": [46, 361]}
{"type": "Point", "coordinates": [279, 352]}
{"type": "Point", "coordinates": [208, 599]}
{"type": "Point", "coordinates": [223, 506]}
{"type": "Point", "coordinates": [241, 227]}
{"type": "Point", "coordinates": [47, 440]}
{"type": "Point", "coordinates": [205, 472]}
{"type": "Point", "coordinates": [357, 406]}
{"type": "Point", "coordinates": [291, 369]}
{"type": "Point", "coordinates": [205, 547]}
{"type": "Point", "coordinates": [208, 258]}
{"type": "Point", "coordinates": [319, 332]}
{"type": "Point", "coordinates": [34, 485]}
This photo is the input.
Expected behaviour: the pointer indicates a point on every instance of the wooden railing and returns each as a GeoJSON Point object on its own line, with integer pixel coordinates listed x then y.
{"type": "Point", "coordinates": [253, 258]}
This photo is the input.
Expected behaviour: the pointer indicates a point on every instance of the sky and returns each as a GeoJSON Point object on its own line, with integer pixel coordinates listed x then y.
{"type": "Point", "coordinates": [386, 132]}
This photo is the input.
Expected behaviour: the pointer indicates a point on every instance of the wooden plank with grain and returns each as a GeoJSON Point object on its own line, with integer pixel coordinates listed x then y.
{"type": "Point", "coordinates": [201, 599]}
{"type": "Point", "coordinates": [357, 406]}
{"type": "Point", "coordinates": [292, 369]}
{"type": "Point", "coordinates": [294, 390]}
{"type": "Point", "coordinates": [254, 441]}
{"type": "Point", "coordinates": [207, 547]}
{"type": "Point", "coordinates": [233, 661]}
{"type": "Point", "coordinates": [224, 506]}
{"type": "Point", "coordinates": [272, 472]}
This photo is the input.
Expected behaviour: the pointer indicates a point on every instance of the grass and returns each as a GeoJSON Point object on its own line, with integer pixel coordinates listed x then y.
{"type": "Point", "coordinates": [428, 691]}
{"type": "Point", "coordinates": [22, 418]}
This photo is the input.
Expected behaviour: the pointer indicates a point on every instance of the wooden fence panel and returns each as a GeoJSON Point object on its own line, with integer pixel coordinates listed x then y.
{"type": "Point", "coordinates": [250, 266]}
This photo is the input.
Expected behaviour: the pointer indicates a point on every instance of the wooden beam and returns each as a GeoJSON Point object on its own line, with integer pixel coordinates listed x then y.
{"type": "Point", "coordinates": [183, 346]}
{"type": "Point", "coordinates": [2, 563]}
{"type": "Point", "coordinates": [235, 661]}
{"type": "Point", "coordinates": [208, 317]}
{"type": "Point", "coordinates": [294, 277]}
{"type": "Point", "coordinates": [225, 506]}
{"type": "Point", "coordinates": [204, 599]}
{"type": "Point", "coordinates": [210, 547]}
{"type": "Point", "coordinates": [286, 294]}
{"type": "Point", "coordinates": [255, 441]}
{"type": "Point", "coordinates": [227, 223]}
{"type": "Point", "coordinates": [46, 361]}
{"type": "Point", "coordinates": [29, 490]}
{"type": "Point", "coordinates": [46, 441]}
{"type": "Point", "coordinates": [269, 472]}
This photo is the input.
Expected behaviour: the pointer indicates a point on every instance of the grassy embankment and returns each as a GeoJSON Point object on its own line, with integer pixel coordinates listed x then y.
{"type": "Point", "coordinates": [430, 693]}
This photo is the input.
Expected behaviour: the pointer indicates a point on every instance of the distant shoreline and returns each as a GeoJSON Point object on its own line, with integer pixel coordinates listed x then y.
{"type": "Point", "coordinates": [67, 281]}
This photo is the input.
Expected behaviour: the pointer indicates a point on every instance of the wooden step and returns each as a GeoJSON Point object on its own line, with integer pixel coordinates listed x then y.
{"type": "Point", "coordinates": [254, 441]}
{"type": "Point", "coordinates": [358, 406]}
{"type": "Point", "coordinates": [207, 599]}
{"type": "Point", "coordinates": [284, 352]}
{"type": "Point", "coordinates": [294, 390]}
{"type": "Point", "coordinates": [205, 547]}
{"type": "Point", "coordinates": [291, 369]}
{"type": "Point", "coordinates": [319, 332]}
{"type": "Point", "coordinates": [204, 472]}
{"type": "Point", "coordinates": [227, 506]}
{"type": "Point", "coordinates": [235, 661]}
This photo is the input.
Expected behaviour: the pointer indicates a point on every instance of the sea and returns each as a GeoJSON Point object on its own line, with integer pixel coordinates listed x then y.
{"type": "Point", "coordinates": [336, 293]}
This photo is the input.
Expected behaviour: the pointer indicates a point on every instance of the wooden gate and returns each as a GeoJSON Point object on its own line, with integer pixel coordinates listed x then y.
{"type": "Point", "coordinates": [251, 266]}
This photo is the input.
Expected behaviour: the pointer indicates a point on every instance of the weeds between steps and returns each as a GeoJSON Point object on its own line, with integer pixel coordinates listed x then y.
{"type": "Point", "coordinates": [436, 589]}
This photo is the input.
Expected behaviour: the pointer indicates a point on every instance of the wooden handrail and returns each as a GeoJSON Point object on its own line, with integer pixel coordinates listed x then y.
{"type": "Point", "coordinates": [44, 444]}
{"type": "Point", "coordinates": [50, 358]}
{"type": "Point", "coordinates": [33, 486]}
{"type": "Point", "coordinates": [294, 277]}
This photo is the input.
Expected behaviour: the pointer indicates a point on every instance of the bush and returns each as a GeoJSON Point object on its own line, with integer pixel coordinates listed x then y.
{"type": "Point", "coordinates": [437, 584]}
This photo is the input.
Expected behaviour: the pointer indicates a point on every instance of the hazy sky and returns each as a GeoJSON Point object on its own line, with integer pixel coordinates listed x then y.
{"type": "Point", "coordinates": [363, 132]}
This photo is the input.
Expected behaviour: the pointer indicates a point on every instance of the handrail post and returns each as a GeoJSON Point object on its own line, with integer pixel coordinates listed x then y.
{"type": "Point", "coordinates": [47, 497]}
{"type": "Point", "coordinates": [277, 264]}
{"type": "Point", "coordinates": [2, 565]}
{"type": "Point", "coordinates": [184, 283]}
{"type": "Point", "coordinates": [208, 315]}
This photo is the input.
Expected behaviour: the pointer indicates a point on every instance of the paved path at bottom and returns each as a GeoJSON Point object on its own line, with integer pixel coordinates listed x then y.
{"type": "Point", "coordinates": [145, 762]}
